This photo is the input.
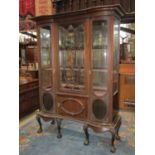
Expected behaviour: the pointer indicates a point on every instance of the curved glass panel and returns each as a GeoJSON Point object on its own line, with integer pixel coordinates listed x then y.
{"type": "Point", "coordinates": [45, 57]}
{"type": "Point", "coordinates": [116, 46]}
{"type": "Point", "coordinates": [99, 53]}
{"type": "Point", "coordinates": [45, 39]}
{"type": "Point", "coordinates": [116, 57]}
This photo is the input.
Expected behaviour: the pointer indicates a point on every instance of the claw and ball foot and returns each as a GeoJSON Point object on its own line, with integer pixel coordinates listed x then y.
{"type": "Point", "coordinates": [117, 130]}
{"type": "Point", "coordinates": [113, 149]}
{"type": "Point", "coordinates": [53, 122]}
{"type": "Point", "coordinates": [59, 135]}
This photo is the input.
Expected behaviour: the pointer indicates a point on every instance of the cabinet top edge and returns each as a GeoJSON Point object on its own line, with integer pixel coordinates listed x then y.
{"type": "Point", "coordinates": [89, 12]}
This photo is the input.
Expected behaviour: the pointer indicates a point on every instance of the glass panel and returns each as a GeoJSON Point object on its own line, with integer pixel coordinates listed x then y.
{"type": "Point", "coordinates": [71, 50]}
{"type": "Point", "coordinates": [100, 80]}
{"type": "Point", "coordinates": [116, 46]}
{"type": "Point", "coordinates": [45, 49]}
{"type": "Point", "coordinates": [116, 57]}
{"type": "Point", "coordinates": [99, 49]}
{"type": "Point", "coordinates": [115, 82]}
{"type": "Point", "coordinates": [99, 44]}
{"type": "Point", "coordinates": [45, 45]}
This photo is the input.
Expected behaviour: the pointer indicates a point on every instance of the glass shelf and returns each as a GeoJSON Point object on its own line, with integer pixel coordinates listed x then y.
{"type": "Point", "coordinates": [100, 69]}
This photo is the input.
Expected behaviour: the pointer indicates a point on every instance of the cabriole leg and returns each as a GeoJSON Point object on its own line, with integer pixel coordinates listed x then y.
{"type": "Point", "coordinates": [40, 124]}
{"type": "Point", "coordinates": [59, 135]}
{"type": "Point", "coordinates": [85, 129]}
{"type": "Point", "coordinates": [117, 131]}
{"type": "Point", "coordinates": [113, 149]}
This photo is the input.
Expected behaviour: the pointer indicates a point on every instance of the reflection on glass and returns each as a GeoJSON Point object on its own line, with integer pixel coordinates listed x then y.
{"type": "Point", "coordinates": [116, 46]}
{"type": "Point", "coordinates": [71, 49]}
{"type": "Point", "coordinates": [115, 81]}
{"type": "Point", "coordinates": [45, 45]}
{"type": "Point", "coordinates": [99, 51]}
{"type": "Point", "coordinates": [116, 57]}
{"type": "Point", "coordinates": [99, 59]}
{"type": "Point", "coordinates": [99, 44]}
{"type": "Point", "coordinates": [100, 79]}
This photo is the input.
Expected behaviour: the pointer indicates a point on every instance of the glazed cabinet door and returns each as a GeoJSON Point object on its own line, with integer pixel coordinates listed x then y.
{"type": "Point", "coordinates": [99, 99]}
{"type": "Point", "coordinates": [45, 73]}
{"type": "Point", "coordinates": [71, 57]}
{"type": "Point", "coordinates": [105, 60]}
{"type": "Point", "coordinates": [72, 95]}
{"type": "Point", "coordinates": [99, 55]}
{"type": "Point", "coordinates": [45, 57]}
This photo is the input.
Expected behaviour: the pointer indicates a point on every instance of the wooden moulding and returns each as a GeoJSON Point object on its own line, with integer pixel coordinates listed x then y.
{"type": "Point", "coordinates": [61, 6]}
{"type": "Point", "coordinates": [80, 14]}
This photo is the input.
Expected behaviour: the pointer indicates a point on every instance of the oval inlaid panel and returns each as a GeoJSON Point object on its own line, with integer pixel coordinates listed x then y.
{"type": "Point", "coordinates": [99, 108]}
{"type": "Point", "coordinates": [72, 106]}
{"type": "Point", "coordinates": [47, 101]}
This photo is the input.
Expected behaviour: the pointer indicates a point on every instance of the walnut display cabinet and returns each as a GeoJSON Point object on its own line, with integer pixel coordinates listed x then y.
{"type": "Point", "coordinates": [78, 69]}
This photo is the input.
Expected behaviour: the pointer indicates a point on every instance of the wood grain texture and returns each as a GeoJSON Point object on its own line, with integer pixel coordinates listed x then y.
{"type": "Point", "coordinates": [127, 85]}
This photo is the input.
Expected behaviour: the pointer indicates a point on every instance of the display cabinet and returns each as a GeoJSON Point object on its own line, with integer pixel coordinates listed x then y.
{"type": "Point", "coordinates": [78, 72]}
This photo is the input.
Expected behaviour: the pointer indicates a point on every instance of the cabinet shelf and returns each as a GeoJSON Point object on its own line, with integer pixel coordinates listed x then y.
{"type": "Point", "coordinates": [75, 69]}
{"type": "Point", "coordinates": [72, 86]}
{"type": "Point", "coordinates": [99, 70]}
{"type": "Point", "coordinates": [105, 47]}
{"type": "Point", "coordinates": [43, 47]}
{"type": "Point", "coordinates": [73, 49]}
{"type": "Point", "coordinates": [99, 88]}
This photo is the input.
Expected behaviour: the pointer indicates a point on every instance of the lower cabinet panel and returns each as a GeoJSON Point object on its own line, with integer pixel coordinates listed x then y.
{"type": "Point", "coordinates": [72, 106]}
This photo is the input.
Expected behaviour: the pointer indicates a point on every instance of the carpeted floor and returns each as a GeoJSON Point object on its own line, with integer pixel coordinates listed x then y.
{"type": "Point", "coordinates": [46, 143]}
